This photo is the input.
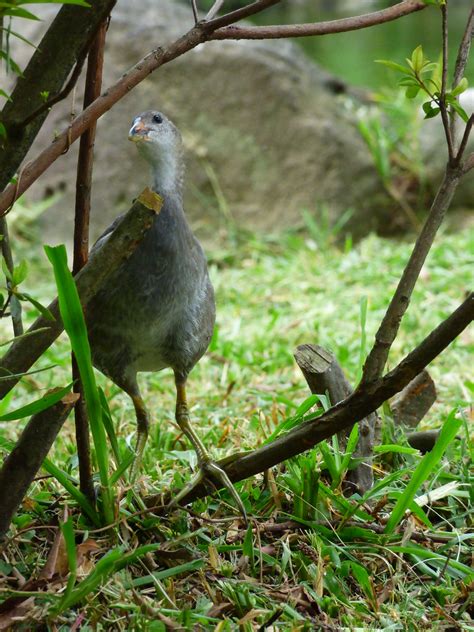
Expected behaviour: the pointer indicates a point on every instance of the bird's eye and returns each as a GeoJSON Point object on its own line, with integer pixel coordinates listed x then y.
{"type": "Point", "coordinates": [157, 118]}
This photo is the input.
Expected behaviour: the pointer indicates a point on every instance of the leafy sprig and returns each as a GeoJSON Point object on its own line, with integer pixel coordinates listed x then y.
{"type": "Point", "coordinates": [415, 80]}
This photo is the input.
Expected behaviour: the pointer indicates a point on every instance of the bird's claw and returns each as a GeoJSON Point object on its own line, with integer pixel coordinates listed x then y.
{"type": "Point", "coordinates": [211, 471]}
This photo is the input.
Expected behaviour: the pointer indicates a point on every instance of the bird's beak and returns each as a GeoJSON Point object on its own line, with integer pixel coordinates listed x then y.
{"type": "Point", "coordinates": [138, 132]}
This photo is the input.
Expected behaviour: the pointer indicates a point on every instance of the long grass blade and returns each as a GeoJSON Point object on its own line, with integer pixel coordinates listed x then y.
{"type": "Point", "coordinates": [424, 469]}
{"type": "Point", "coordinates": [75, 326]}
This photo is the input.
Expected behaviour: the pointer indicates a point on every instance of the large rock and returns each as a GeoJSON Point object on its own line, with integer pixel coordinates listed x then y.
{"type": "Point", "coordinates": [266, 135]}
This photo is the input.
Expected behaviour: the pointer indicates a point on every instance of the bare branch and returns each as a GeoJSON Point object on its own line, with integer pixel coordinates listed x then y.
{"type": "Point", "coordinates": [240, 14]}
{"type": "Point", "coordinates": [461, 62]}
{"type": "Point", "coordinates": [201, 32]}
{"type": "Point", "coordinates": [85, 160]}
{"type": "Point", "coordinates": [62, 94]}
{"type": "Point", "coordinates": [464, 47]}
{"type": "Point", "coordinates": [12, 300]}
{"type": "Point", "coordinates": [23, 462]}
{"type": "Point", "coordinates": [465, 138]}
{"type": "Point", "coordinates": [320, 28]}
{"type": "Point", "coordinates": [390, 325]}
{"type": "Point", "coordinates": [444, 81]}
{"type": "Point", "coordinates": [468, 164]}
{"type": "Point", "coordinates": [214, 10]}
{"type": "Point", "coordinates": [195, 11]}
{"type": "Point", "coordinates": [363, 401]}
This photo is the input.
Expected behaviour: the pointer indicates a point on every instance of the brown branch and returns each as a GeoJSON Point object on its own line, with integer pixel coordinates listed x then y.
{"type": "Point", "coordinates": [195, 11]}
{"type": "Point", "coordinates": [214, 10]}
{"type": "Point", "coordinates": [465, 138]}
{"type": "Point", "coordinates": [461, 62]}
{"type": "Point", "coordinates": [320, 28]}
{"type": "Point", "coordinates": [200, 33]}
{"type": "Point", "coordinates": [48, 70]}
{"type": "Point", "coordinates": [239, 14]}
{"type": "Point", "coordinates": [444, 81]}
{"type": "Point", "coordinates": [23, 462]}
{"type": "Point", "coordinates": [390, 325]}
{"type": "Point", "coordinates": [62, 94]}
{"type": "Point", "coordinates": [85, 161]}
{"type": "Point", "coordinates": [468, 164]}
{"type": "Point", "coordinates": [117, 248]}
{"type": "Point", "coordinates": [15, 309]}
{"type": "Point", "coordinates": [363, 401]}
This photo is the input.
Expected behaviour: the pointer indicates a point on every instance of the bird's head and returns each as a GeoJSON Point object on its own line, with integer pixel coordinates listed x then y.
{"type": "Point", "coordinates": [155, 135]}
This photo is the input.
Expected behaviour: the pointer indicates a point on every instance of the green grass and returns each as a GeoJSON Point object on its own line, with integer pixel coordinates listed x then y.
{"type": "Point", "coordinates": [334, 564]}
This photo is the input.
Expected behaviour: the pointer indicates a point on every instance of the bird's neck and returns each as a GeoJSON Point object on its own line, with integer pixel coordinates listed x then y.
{"type": "Point", "coordinates": [168, 174]}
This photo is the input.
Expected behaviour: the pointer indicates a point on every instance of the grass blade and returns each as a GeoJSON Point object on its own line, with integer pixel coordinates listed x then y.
{"type": "Point", "coordinates": [37, 406]}
{"type": "Point", "coordinates": [424, 469]}
{"type": "Point", "coordinates": [75, 326]}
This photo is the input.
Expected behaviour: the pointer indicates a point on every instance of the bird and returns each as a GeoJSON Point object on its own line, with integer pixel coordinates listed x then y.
{"type": "Point", "coordinates": [158, 309]}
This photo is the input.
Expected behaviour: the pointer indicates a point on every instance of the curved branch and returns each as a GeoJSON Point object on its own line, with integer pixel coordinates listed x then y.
{"type": "Point", "coordinates": [320, 28]}
{"type": "Point", "coordinates": [201, 32]}
{"type": "Point", "coordinates": [363, 401]}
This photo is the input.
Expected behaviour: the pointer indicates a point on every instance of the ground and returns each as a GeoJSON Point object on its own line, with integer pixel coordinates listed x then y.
{"type": "Point", "coordinates": [311, 559]}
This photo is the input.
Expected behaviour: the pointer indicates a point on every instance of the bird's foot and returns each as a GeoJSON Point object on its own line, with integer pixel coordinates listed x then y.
{"type": "Point", "coordinates": [208, 470]}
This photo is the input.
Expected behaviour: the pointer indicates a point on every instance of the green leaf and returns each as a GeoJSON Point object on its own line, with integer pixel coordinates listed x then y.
{"type": "Point", "coordinates": [398, 449]}
{"type": "Point", "coordinates": [412, 91]}
{"type": "Point", "coordinates": [80, 3]}
{"type": "Point", "coordinates": [20, 272]}
{"type": "Point", "coordinates": [38, 405]}
{"type": "Point", "coordinates": [462, 113]}
{"type": "Point", "coordinates": [44, 311]}
{"type": "Point", "coordinates": [6, 271]}
{"type": "Point", "coordinates": [462, 85]}
{"type": "Point", "coordinates": [417, 59]}
{"type": "Point", "coordinates": [423, 470]}
{"type": "Point", "coordinates": [394, 66]}
{"type": "Point", "coordinates": [408, 81]}
{"type": "Point", "coordinates": [16, 12]}
{"type": "Point", "coordinates": [71, 552]}
{"type": "Point", "coordinates": [308, 403]}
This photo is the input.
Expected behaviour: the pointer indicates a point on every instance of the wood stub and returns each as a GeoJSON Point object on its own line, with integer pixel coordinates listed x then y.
{"type": "Point", "coordinates": [324, 375]}
{"type": "Point", "coordinates": [411, 405]}
{"type": "Point", "coordinates": [24, 461]}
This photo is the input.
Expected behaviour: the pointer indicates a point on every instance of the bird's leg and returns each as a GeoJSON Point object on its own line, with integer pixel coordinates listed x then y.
{"type": "Point", "coordinates": [207, 468]}
{"type": "Point", "coordinates": [143, 424]}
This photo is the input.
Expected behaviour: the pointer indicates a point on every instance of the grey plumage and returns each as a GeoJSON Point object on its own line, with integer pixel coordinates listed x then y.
{"type": "Point", "coordinates": [158, 308]}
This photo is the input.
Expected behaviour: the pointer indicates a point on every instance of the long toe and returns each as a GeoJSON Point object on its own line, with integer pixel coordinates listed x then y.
{"type": "Point", "coordinates": [211, 471]}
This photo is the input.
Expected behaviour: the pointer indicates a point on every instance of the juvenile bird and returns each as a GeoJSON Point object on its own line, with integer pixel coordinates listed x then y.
{"type": "Point", "coordinates": [158, 309]}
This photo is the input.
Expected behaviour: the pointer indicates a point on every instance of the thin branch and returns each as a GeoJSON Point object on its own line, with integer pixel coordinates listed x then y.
{"type": "Point", "coordinates": [363, 401]}
{"type": "Point", "coordinates": [85, 162]}
{"type": "Point", "coordinates": [239, 14]}
{"type": "Point", "coordinates": [320, 28]}
{"type": "Point", "coordinates": [62, 94]}
{"type": "Point", "coordinates": [390, 325]}
{"type": "Point", "coordinates": [444, 81]}
{"type": "Point", "coordinates": [461, 62]}
{"type": "Point", "coordinates": [465, 138]}
{"type": "Point", "coordinates": [200, 33]}
{"type": "Point", "coordinates": [468, 164]}
{"type": "Point", "coordinates": [195, 11]}
{"type": "Point", "coordinates": [463, 52]}
{"type": "Point", "coordinates": [21, 465]}
{"type": "Point", "coordinates": [214, 10]}
{"type": "Point", "coordinates": [15, 309]}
